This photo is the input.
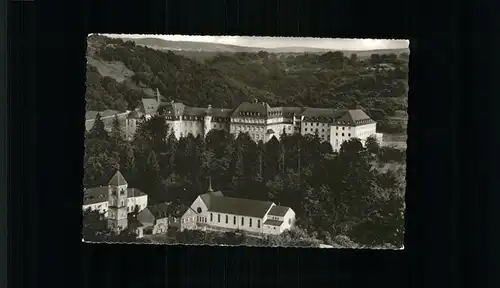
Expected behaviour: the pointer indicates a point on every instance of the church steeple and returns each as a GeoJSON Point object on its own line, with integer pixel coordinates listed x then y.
{"type": "Point", "coordinates": [157, 94]}
{"type": "Point", "coordinates": [210, 184]}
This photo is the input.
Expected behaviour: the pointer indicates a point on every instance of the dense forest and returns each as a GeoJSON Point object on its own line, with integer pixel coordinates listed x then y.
{"type": "Point", "coordinates": [357, 194]}
{"type": "Point", "coordinates": [329, 80]}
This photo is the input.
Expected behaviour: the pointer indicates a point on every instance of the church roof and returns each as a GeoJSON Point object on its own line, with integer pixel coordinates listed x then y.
{"type": "Point", "coordinates": [278, 211]}
{"type": "Point", "coordinates": [117, 179]}
{"type": "Point", "coordinates": [236, 206]}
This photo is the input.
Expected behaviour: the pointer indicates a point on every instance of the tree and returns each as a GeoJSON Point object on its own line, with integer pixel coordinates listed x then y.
{"type": "Point", "coordinates": [97, 131]}
{"type": "Point", "coordinates": [116, 130]}
{"type": "Point", "coordinates": [372, 145]}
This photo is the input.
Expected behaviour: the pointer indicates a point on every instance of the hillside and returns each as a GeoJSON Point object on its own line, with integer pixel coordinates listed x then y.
{"type": "Point", "coordinates": [121, 72]}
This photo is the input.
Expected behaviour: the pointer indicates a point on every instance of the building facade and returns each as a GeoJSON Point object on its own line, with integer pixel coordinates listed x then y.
{"type": "Point", "coordinates": [261, 121]}
{"type": "Point", "coordinates": [213, 211]}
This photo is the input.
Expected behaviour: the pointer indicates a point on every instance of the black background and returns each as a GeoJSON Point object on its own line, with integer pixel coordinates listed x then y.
{"type": "Point", "coordinates": [451, 234]}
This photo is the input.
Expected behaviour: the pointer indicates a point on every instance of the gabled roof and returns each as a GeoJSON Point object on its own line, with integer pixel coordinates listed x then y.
{"type": "Point", "coordinates": [117, 179]}
{"type": "Point", "coordinates": [239, 206]}
{"type": "Point", "coordinates": [279, 211]}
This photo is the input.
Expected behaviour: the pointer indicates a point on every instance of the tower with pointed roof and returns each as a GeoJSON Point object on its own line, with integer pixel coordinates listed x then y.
{"type": "Point", "coordinates": [117, 203]}
{"type": "Point", "coordinates": [207, 121]}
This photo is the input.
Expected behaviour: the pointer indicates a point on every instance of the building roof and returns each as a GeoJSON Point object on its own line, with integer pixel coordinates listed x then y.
{"type": "Point", "coordinates": [133, 223]}
{"type": "Point", "coordinates": [285, 112]}
{"type": "Point", "coordinates": [100, 194]}
{"type": "Point", "coordinates": [160, 210]}
{"type": "Point", "coordinates": [95, 195]}
{"type": "Point", "coordinates": [273, 222]}
{"type": "Point", "coordinates": [256, 109]}
{"type": "Point", "coordinates": [353, 118]}
{"type": "Point", "coordinates": [221, 112]}
{"type": "Point", "coordinates": [239, 206]}
{"type": "Point", "coordinates": [207, 197]}
{"type": "Point", "coordinates": [319, 112]}
{"type": "Point", "coordinates": [117, 179]}
{"type": "Point", "coordinates": [278, 211]}
{"type": "Point", "coordinates": [194, 111]}
{"type": "Point", "coordinates": [149, 105]}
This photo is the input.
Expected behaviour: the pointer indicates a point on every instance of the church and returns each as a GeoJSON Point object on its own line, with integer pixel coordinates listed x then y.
{"type": "Point", "coordinates": [213, 211]}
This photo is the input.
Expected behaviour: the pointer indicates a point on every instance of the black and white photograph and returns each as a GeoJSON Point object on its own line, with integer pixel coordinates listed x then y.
{"type": "Point", "coordinates": [245, 141]}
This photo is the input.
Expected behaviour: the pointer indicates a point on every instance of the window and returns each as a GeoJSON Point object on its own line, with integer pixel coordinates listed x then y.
{"type": "Point", "coordinates": [122, 204]}
{"type": "Point", "coordinates": [122, 192]}
{"type": "Point", "coordinates": [242, 221]}
{"type": "Point", "coordinates": [250, 222]}
{"type": "Point", "coordinates": [337, 128]}
{"type": "Point", "coordinates": [349, 134]}
{"type": "Point", "coordinates": [306, 129]}
{"type": "Point", "coordinates": [227, 219]}
{"type": "Point", "coordinates": [343, 128]}
{"type": "Point", "coordinates": [258, 223]}
{"type": "Point", "coordinates": [218, 217]}
{"type": "Point", "coordinates": [211, 217]}
{"type": "Point", "coordinates": [322, 130]}
{"type": "Point", "coordinates": [198, 209]}
{"type": "Point", "coordinates": [336, 134]}
{"type": "Point", "coordinates": [290, 221]}
{"type": "Point", "coordinates": [234, 220]}
{"type": "Point", "coordinates": [342, 134]}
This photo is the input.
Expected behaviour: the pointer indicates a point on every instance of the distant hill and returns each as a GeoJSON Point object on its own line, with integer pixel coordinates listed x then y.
{"type": "Point", "coordinates": [188, 46]}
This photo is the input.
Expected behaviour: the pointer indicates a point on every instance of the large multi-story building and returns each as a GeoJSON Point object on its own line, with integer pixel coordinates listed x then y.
{"type": "Point", "coordinates": [261, 121]}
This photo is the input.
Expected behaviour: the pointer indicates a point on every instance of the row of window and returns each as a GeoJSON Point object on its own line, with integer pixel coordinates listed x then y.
{"type": "Point", "coordinates": [317, 124]}
{"type": "Point", "coordinates": [343, 128]}
{"type": "Point", "coordinates": [317, 130]}
{"type": "Point", "coordinates": [348, 134]}
{"type": "Point", "coordinates": [234, 220]}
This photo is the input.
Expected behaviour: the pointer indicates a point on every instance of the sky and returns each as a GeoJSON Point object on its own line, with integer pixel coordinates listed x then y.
{"type": "Point", "coordinates": [279, 42]}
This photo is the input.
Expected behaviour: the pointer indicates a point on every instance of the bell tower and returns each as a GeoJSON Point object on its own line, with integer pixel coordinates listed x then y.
{"type": "Point", "coordinates": [117, 203]}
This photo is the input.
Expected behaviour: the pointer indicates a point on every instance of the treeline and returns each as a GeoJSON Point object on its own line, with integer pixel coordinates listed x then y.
{"type": "Point", "coordinates": [332, 194]}
{"type": "Point", "coordinates": [317, 80]}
